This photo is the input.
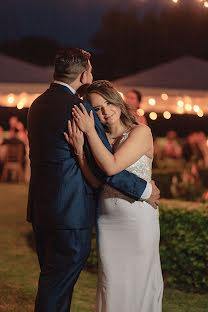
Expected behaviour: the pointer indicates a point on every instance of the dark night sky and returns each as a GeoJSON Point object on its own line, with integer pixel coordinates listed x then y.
{"type": "Point", "coordinates": [68, 21]}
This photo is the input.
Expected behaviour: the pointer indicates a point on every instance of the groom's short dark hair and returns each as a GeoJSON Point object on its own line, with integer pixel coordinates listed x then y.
{"type": "Point", "coordinates": [69, 63]}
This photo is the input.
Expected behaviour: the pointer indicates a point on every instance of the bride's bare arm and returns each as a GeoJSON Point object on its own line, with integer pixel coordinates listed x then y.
{"type": "Point", "coordinates": [76, 140]}
{"type": "Point", "coordinates": [138, 143]}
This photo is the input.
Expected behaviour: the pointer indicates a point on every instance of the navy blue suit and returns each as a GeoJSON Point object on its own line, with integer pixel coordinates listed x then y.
{"type": "Point", "coordinates": [62, 206]}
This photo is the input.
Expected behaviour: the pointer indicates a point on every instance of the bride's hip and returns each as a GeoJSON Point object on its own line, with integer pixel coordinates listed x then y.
{"type": "Point", "coordinates": [118, 209]}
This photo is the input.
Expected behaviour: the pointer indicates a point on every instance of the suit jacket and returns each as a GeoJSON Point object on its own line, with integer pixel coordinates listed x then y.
{"type": "Point", "coordinates": [59, 196]}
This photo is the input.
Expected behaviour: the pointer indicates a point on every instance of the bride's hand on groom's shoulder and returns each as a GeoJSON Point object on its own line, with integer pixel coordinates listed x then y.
{"type": "Point", "coordinates": [84, 121]}
{"type": "Point", "coordinates": [75, 137]}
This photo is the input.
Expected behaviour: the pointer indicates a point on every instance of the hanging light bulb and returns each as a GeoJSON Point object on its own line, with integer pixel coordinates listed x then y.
{"type": "Point", "coordinates": [196, 108]}
{"type": "Point", "coordinates": [200, 113]}
{"type": "Point", "coordinates": [153, 115]}
{"type": "Point", "coordinates": [188, 107]}
{"type": "Point", "coordinates": [10, 98]}
{"type": "Point", "coordinates": [180, 110]}
{"type": "Point", "coordinates": [140, 112]}
{"type": "Point", "coordinates": [180, 103]}
{"type": "Point", "coordinates": [152, 102]}
{"type": "Point", "coordinates": [164, 96]}
{"type": "Point", "coordinates": [167, 115]}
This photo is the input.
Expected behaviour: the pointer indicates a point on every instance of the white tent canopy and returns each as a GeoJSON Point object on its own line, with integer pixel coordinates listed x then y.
{"type": "Point", "coordinates": [184, 80]}
{"type": "Point", "coordinates": [21, 82]}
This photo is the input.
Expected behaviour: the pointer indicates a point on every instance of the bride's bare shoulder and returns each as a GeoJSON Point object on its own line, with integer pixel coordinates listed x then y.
{"type": "Point", "coordinates": [141, 129]}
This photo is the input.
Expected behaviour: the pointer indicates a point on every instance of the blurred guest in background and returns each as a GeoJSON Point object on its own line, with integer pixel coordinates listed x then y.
{"type": "Point", "coordinates": [133, 100]}
{"type": "Point", "coordinates": [191, 150]}
{"type": "Point", "coordinates": [1, 135]}
{"type": "Point", "coordinates": [2, 149]}
{"type": "Point", "coordinates": [172, 149]}
{"type": "Point", "coordinates": [202, 143]}
{"type": "Point", "coordinates": [13, 121]}
{"type": "Point", "coordinates": [15, 140]}
{"type": "Point", "coordinates": [157, 153]}
{"type": "Point", "coordinates": [22, 133]}
{"type": "Point", "coordinates": [23, 137]}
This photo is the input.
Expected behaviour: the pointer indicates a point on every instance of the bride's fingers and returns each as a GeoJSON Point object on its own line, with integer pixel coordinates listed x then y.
{"type": "Point", "coordinates": [91, 115]}
{"type": "Point", "coordinates": [76, 122]}
{"type": "Point", "coordinates": [66, 136]}
{"type": "Point", "coordinates": [74, 126]}
{"type": "Point", "coordinates": [69, 128]}
{"type": "Point", "coordinates": [77, 111]}
{"type": "Point", "coordinates": [77, 129]}
{"type": "Point", "coordinates": [68, 139]}
{"type": "Point", "coordinates": [83, 109]}
{"type": "Point", "coordinates": [76, 115]}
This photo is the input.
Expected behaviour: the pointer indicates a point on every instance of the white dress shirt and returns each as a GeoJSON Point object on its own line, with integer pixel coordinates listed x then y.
{"type": "Point", "coordinates": [65, 85]}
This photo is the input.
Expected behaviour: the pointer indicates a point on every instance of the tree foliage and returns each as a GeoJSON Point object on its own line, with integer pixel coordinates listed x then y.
{"type": "Point", "coordinates": [37, 50]}
{"type": "Point", "coordinates": [129, 42]}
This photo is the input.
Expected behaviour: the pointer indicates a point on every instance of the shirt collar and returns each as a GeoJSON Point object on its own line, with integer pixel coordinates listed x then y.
{"type": "Point", "coordinates": [65, 85]}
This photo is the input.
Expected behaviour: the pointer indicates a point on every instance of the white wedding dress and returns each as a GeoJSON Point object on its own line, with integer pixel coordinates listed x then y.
{"type": "Point", "coordinates": [129, 274]}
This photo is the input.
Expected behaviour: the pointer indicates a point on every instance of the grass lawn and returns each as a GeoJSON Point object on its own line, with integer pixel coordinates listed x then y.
{"type": "Point", "coordinates": [19, 267]}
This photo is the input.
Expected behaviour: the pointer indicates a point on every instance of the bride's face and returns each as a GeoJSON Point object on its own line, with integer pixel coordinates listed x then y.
{"type": "Point", "coordinates": [108, 113]}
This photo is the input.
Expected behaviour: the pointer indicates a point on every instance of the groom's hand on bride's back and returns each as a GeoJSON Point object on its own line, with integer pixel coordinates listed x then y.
{"type": "Point", "coordinates": [154, 198]}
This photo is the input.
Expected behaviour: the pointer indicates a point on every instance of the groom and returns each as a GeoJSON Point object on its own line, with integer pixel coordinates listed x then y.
{"type": "Point", "coordinates": [61, 204]}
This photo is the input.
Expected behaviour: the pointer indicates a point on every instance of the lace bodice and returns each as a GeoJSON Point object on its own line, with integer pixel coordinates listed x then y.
{"type": "Point", "coordinates": [142, 168]}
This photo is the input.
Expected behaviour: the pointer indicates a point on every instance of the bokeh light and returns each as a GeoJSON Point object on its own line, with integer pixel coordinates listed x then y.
{"type": "Point", "coordinates": [167, 115]}
{"type": "Point", "coordinates": [164, 96]}
{"type": "Point", "coordinates": [140, 112]}
{"type": "Point", "coordinates": [152, 101]}
{"type": "Point", "coordinates": [153, 115]}
{"type": "Point", "coordinates": [180, 103]}
{"type": "Point", "coordinates": [180, 110]}
{"type": "Point", "coordinates": [188, 107]}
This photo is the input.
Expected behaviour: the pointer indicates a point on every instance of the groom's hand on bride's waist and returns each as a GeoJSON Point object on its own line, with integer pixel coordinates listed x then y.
{"type": "Point", "coordinates": [154, 198]}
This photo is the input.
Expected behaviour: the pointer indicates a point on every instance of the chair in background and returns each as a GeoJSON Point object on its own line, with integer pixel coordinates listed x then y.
{"type": "Point", "coordinates": [13, 162]}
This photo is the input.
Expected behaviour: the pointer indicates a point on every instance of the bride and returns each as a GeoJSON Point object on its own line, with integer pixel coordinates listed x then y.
{"type": "Point", "coordinates": [129, 273]}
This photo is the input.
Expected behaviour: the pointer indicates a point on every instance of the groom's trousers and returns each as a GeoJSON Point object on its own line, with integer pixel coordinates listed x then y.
{"type": "Point", "coordinates": [62, 255]}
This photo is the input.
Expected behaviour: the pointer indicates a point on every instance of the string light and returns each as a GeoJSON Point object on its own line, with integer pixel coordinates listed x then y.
{"type": "Point", "coordinates": [20, 105]}
{"type": "Point", "coordinates": [203, 2]}
{"type": "Point", "coordinates": [164, 96]}
{"type": "Point", "coordinates": [167, 115]}
{"type": "Point", "coordinates": [180, 110]}
{"type": "Point", "coordinates": [180, 103]}
{"type": "Point", "coordinates": [140, 112]}
{"type": "Point", "coordinates": [10, 98]}
{"type": "Point", "coordinates": [188, 107]}
{"type": "Point", "coordinates": [196, 108]}
{"type": "Point", "coordinates": [152, 102]}
{"type": "Point", "coordinates": [200, 113]}
{"type": "Point", "coordinates": [153, 116]}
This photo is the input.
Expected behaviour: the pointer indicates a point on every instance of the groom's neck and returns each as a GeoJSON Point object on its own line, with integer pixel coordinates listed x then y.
{"type": "Point", "coordinates": [74, 84]}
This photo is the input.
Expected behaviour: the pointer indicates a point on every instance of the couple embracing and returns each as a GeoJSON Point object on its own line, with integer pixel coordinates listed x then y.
{"type": "Point", "coordinates": [91, 165]}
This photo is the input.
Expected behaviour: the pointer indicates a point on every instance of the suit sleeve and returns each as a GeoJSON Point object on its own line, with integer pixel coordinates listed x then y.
{"type": "Point", "coordinates": [126, 182]}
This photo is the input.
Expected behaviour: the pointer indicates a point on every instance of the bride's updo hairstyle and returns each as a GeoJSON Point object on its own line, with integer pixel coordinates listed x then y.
{"type": "Point", "coordinates": [105, 89]}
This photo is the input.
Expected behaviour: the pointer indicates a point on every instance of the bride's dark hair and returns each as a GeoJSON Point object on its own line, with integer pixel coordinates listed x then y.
{"type": "Point", "coordinates": [105, 89]}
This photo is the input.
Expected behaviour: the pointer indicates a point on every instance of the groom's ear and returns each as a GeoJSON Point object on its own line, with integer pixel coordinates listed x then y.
{"type": "Point", "coordinates": [83, 77]}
